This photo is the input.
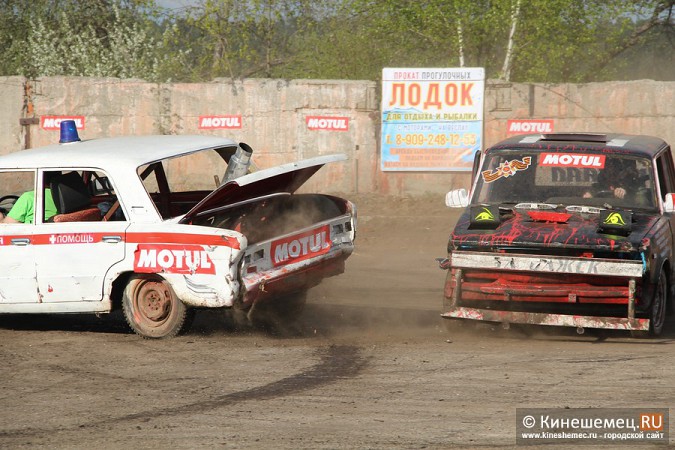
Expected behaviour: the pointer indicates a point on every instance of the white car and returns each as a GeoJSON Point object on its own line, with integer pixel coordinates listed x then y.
{"type": "Point", "coordinates": [160, 225]}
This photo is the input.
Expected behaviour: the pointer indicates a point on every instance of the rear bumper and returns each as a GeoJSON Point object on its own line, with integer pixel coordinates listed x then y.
{"type": "Point", "coordinates": [561, 320]}
{"type": "Point", "coordinates": [297, 261]}
{"type": "Point", "coordinates": [543, 290]}
{"type": "Point", "coordinates": [285, 281]}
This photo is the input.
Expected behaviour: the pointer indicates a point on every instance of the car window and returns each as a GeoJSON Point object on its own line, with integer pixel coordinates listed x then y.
{"type": "Point", "coordinates": [570, 179]}
{"type": "Point", "coordinates": [16, 182]}
{"type": "Point", "coordinates": [664, 165]}
{"type": "Point", "coordinates": [177, 184]}
{"type": "Point", "coordinates": [104, 195]}
{"type": "Point", "coordinates": [79, 195]}
{"type": "Point", "coordinates": [13, 184]}
{"type": "Point", "coordinates": [199, 171]}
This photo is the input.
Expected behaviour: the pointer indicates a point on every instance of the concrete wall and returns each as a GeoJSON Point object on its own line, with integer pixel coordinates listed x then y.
{"type": "Point", "coordinates": [273, 116]}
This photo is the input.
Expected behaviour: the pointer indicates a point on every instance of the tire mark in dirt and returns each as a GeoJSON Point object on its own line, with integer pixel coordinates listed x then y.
{"type": "Point", "coordinates": [336, 363]}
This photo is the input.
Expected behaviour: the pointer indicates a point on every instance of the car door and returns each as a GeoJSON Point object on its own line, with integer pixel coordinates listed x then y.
{"type": "Point", "coordinates": [17, 264]}
{"type": "Point", "coordinates": [666, 179]}
{"type": "Point", "coordinates": [18, 282]}
{"type": "Point", "coordinates": [74, 256]}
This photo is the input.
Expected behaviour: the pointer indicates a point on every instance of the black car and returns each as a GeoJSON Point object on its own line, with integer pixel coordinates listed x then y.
{"type": "Point", "coordinates": [568, 230]}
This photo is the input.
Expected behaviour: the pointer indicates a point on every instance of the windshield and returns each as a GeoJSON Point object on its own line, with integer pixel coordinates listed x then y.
{"type": "Point", "coordinates": [557, 178]}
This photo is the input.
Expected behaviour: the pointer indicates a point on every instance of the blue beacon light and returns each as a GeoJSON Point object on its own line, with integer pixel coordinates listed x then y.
{"type": "Point", "coordinates": [68, 132]}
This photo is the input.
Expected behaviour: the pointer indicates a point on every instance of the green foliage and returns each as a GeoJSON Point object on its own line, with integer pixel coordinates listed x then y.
{"type": "Point", "coordinates": [101, 38]}
{"type": "Point", "coordinates": [252, 38]}
{"type": "Point", "coordinates": [554, 40]}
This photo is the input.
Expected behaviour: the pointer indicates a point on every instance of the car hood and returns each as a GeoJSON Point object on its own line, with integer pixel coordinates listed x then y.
{"type": "Point", "coordinates": [286, 178]}
{"type": "Point", "coordinates": [581, 231]}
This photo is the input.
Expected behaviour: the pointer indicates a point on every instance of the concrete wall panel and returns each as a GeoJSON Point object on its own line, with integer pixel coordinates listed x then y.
{"type": "Point", "coordinates": [274, 112]}
{"type": "Point", "coordinates": [12, 133]}
{"type": "Point", "coordinates": [111, 106]}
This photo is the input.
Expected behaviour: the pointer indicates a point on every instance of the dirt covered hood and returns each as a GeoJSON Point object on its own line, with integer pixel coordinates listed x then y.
{"type": "Point", "coordinates": [286, 178]}
{"type": "Point", "coordinates": [519, 230]}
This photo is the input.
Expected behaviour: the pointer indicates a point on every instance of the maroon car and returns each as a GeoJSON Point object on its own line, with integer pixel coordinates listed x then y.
{"type": "Point", "coordinates": [568, 230]}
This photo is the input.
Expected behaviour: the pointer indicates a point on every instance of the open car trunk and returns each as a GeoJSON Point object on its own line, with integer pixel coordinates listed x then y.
{"type": "Point", "coordinates": [294, 240]}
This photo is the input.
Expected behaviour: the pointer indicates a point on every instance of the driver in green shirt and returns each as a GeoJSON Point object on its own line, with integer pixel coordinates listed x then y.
{"type": "Point", "coordinates": [22, 211]}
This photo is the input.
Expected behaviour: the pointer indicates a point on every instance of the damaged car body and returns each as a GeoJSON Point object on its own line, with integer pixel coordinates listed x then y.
{"type": "Point", "coordinates": [567, 230]}
{"type": "Point", "coordinates": [159, 226]}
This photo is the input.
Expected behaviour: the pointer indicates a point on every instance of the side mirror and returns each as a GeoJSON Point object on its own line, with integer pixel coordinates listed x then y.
{"type": "Point", "coordinates": [457, 198]}
{"type": "Point", "coordinates": [669, 203]}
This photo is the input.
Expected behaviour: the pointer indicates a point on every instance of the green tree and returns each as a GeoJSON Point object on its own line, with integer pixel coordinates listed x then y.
{"type": "Point", "coordinates": [645, 48]}
{"type": "Point", "coordinates": [117, 38]}
{"type": "Point", "coordinates": [517, 40]}
{"type": "Point", "coordinates": [575, 41]}
{"type": "Point", "coordinates": [239, 39]}
{"type": "Point", "coordinates": [521, 40]}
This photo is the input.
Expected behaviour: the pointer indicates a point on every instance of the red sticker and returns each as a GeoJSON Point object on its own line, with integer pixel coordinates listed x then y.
{"type": "Point", "coordinates": [54, 122]}
{"type": "Point", "coordinates": [572, 160]}
{"type": "Point", "coordinates": [227, 122]}
{"type": "Point", "coordinates": [327, 123]}
{"type": "Point", "coordinates": [155, 258]}
{"type": "Point", "coordinates": [301, 246]}
{"type": "Point", "coordinates": [527, 126]}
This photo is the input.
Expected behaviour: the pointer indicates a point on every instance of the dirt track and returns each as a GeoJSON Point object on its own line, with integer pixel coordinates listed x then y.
{"type": "Point", "coordinates": [372, 367]}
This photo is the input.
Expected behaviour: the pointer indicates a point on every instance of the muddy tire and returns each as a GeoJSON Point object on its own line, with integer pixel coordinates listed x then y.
{"type": "Point", "coordinates": [152, 309]}
{"type": "Point", "coordinates": [657, 309]}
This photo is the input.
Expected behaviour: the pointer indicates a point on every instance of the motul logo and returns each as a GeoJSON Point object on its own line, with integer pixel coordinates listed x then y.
{"type": "Point", "coordinates": [327, 123]}
{"type": "Point", "coordinates": [219, 122]}
{"type": "Point", "coordinates": [572, 160]}
{"type": "Point", "coordinates": [172, 259]}
{"type": "Point", "coordinates": [529, 126]}
{"type": "Point", "coordinates": [301, 246]}
{"type": "Point", "coordinates": [54, 122]}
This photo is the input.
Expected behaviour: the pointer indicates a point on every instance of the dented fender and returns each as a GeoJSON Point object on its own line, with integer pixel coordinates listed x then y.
{"type": "Point", "coordinates": [202, 274]}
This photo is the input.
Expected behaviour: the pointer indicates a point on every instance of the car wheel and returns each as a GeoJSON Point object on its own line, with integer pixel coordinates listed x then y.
{"type": "Point", "coordinates": [657, 309]}
{"type": "Point", "coordinates": [152, 309]}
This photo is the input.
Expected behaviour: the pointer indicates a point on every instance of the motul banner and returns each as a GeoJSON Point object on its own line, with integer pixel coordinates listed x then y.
{"type": "Point", "coordinates": [54, 122]}
{"type": "Point", "coordinates": [328, 123]}
{"type": "Point", "coordinates": [528, 126]}
{"type": "Point", "coordinates": [227, 122]}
